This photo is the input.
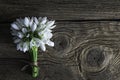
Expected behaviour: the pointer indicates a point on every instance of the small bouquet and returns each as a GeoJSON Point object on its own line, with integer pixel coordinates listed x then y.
{"type": "Point", "coordinates": [31, 33]}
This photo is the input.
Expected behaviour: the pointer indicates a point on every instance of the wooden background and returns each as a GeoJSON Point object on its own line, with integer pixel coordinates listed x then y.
{"type": "Point", "coordinates": [87, 40]}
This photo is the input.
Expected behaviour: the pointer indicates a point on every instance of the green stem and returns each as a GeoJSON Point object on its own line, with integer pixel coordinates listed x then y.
{"type": "Point", "coordinates": [35, 68]}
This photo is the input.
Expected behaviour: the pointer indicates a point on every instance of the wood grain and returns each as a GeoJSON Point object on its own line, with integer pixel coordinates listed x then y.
{"type": "Point", "coordinates": [87, 40]}
{"type": "Point", "coordinates": [83, 51]}
{"type": "Point", "coordinates": [60, 9]}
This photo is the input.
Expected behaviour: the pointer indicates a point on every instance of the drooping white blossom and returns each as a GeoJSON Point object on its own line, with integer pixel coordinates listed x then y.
{"type": "Point", "coordinates": [30, 32]}
{"type": "Point", "coordinates": [15, 26]}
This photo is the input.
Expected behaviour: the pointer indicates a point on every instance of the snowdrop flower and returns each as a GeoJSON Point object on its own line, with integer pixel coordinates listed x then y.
{"type": "Point", "coordinates": [29, 32]}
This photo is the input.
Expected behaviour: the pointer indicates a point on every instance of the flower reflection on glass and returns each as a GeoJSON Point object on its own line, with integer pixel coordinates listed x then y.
{"type": "Point", "coordinates": [29, 32]}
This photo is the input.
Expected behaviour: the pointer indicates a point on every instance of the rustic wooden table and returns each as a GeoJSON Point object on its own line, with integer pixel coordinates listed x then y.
{"type": "Point", "coordinates": [87, 40]}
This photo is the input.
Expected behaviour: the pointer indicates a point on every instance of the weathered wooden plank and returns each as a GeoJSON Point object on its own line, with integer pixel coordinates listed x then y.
{"type": "Point", "coordinates": [13, 72]}
{"type": "Point", "coordinates": [65, 34]}
{"type": "Point", "coordinates": [82, 50]}
{"type": "Point", "coordinates": [60, 9]}
{"type": "Point", "coordinates": [47, 72]}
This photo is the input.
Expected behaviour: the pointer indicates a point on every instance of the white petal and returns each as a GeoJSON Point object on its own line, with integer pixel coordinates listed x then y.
{"type": "Point", "coordinates": [24, 30]}
{"type": "Point", "coordinates": [19, 46]}
{"type": "Point", "coordinates": [26, 22]}
{"type": "Point", "coordinates": [50, 43]}
{"type": "Point", "coordinates": [41, 27]}
{"type": "Point", "coordinates": [44, 40]}
{"type": "Point", "coordinates": [20, 21]}
{"type": "Point", "coordinates": [47, 30]}
{"type": "Point", "coordinates": [52, 27]}
{"type": "Point", "coordinates": [14, 26]}
{"type": "Point", "coordinates": [17, 40]}
{"type": "Point", "coordinates": [31, 21]}
{"type": "Point", "coordinates": [42, 46]}
{"type": "Point", "coordinates": [44, 20]}
{"type": "Point", "coordinates": [48, 35]}
{"type": "Point", "coordinates": [33, 27]}
{"type": "Point", "coordinates": [32, 43]}
{"type": "Point", "coordinates": [39, 33]}
{"type": "Point", "coordinates": [36, 20]}
{"type": "Point", "coordinates": [20, 35]}
{"type": "Point", "coordinates": [50, 23]}
{"type": "Point", "coordinates": [40, 18]}
{"type": "Point", "coordinates": [37, 41]}
{"type": "Point", "coordinates": [25, 47]}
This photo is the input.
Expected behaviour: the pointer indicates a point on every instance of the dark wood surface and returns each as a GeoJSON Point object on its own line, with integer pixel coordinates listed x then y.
{"type": "Point", "coordinates": [87, 40]}
{"type": "Point", "coordinates": [60, 9]}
